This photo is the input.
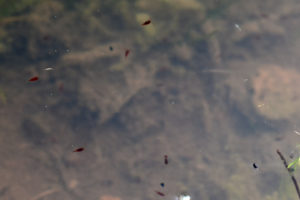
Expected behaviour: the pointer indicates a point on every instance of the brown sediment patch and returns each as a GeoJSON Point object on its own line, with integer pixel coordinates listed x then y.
{"type": "Point", "coordinates": [108, 197]}
{"type": "Point", "coordinates": [276, 92]}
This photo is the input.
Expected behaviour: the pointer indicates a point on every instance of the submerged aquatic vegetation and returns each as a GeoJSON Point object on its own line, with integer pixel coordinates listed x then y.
{"type": "Point", "coordinates": [296, 162]}
{"type": "Point", "coordinates": [288, 169]}
{"type": "Point", "coordinates": [293, 165]}
{"type": "Point", "coordinates": [15, 7]}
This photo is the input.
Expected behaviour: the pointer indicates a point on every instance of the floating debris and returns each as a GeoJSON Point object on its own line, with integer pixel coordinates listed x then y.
{"type": "Point", "coordinates": [79, 149]}
{"type": "Point", "coordinates": [297, 132]}
{"type": "Point", "coordinates": [111, 48]}
{"type": "Point", "coordinates": [49, 69]}
{"type": "Point", "coordinates": [260, 105]}
{"type": "Point", "coordinates": [160, 193]}
{"type": "Point", "coordinates": [127, 51]}
{"type": "Point", "coordinates": [35, 78]}
{"type": "Point", "coordinates": [146, 22]}
{"type": "Point", "coordinates": [166, 160]}
{"type": "Point", "coordinates": [237, 27]}
{"type": "Point", "coordinates": [183, 197]}
{"type": "Point", "coordinates": [162, 184]}
{"type": "Point", "coordinates": [254, 166]}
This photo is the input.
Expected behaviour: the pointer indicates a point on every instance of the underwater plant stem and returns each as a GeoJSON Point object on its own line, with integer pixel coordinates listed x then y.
{"type": "Point", "coordinates": [291, 175]}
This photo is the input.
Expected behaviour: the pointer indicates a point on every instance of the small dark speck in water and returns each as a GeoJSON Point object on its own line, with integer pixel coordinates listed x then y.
{"type": "Point", "coordinates": [254, 166]}
{"type": "Point", "coordinates": [146, 22]}
{"type": "Point", "coordinates": [79, 149]}
{"type": "Point", "coordinates": [166, 160]}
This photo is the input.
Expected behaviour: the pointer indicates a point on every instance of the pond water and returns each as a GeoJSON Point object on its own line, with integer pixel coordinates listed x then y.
{"type": "Point", "coordinates": [138, 99]}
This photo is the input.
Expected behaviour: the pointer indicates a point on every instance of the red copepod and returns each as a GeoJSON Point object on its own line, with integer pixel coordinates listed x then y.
{"type": "Point", "coordinates": [35, 78]}
{"type": "Point", "coordinates": [79, 149]}
{"type": "Point", "coordinates": [127, 51]}
{"type": "Point", "coordinates": [160, 193]}
{"type": "Point", "coordinates": [146, 22]}
{"type": "Point", "coordinates": [166, 160]}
